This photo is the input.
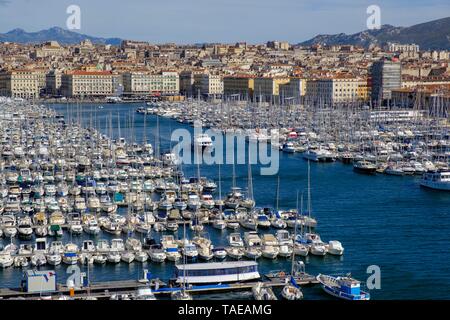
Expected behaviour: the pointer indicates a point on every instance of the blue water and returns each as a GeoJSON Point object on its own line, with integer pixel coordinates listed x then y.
{"type": "Point", "coordinates": [387, 221]}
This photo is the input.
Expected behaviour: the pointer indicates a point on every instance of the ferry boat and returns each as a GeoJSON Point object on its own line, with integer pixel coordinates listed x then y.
{"type": "Point", "coordinates": [439, 180]}
{"type": "Point", "coordinates": [217, 272]}
{"type": "Point", "coordinates": [342, 287]}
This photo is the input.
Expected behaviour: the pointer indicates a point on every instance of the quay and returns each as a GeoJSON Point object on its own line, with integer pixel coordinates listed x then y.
{"type": "Point", "coordinates": [104, 290]}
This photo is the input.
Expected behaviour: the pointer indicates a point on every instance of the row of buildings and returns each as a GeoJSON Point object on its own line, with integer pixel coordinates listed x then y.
{"type": "Point", "coordinates": [275, 72]}
{"type": "Point", "coordinates": [31, 84]}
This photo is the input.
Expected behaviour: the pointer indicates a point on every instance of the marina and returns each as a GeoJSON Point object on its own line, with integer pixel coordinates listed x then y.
{"type": "Point", "coordinates": [93, 207]}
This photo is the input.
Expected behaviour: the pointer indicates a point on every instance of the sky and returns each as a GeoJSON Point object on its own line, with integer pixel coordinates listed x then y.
{"type": "Point", "coordinates": [228, 21]}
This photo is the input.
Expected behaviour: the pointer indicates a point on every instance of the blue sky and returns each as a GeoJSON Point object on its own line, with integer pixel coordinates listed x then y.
{"type": "Point", "coordinates": [190, 21]}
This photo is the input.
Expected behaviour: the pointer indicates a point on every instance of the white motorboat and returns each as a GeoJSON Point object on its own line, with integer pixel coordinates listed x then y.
{"type": "Point", "coordinates": [100, 259]}
{"type": "Point", "coordinates": [235, 240]}
{"type": "Point", "coordinates": [335, 248]}
{"type": "Point", "coordinates": [219, 253]}
{"type": "Point", "coordinates": [253, 253]}
{"type": "Point", "coordinates": [140, 256]}
{"type": "Point", "coordinates": [301, 249]}
{"type": "Point", "coordinates": [318, 249]}
{"type": "Point", "coordinates": [127, 256]}
{"type": "Point", "coordinates": [54, 258]}
{"type": "Point", "coordinates": [157, 253]}
{"type": "Point", "coordinates": [235, 252]}
{"type": "Point", "coordinates": [233, 225]}
{"type": "Point", "coordinates": [439, 180]}
{"type": "Point", "coordinates": [133, 244]}
{"type": "Point", "coordinates": [205, 253]}
{"type": "Point", "coordinates": [219, 224]}
{"type": "Point", "coordinates": [103, 246]}
{"type": "Point", "coordinates": [90, 225]}
{"type": "Point", "coordinates": [249, 223]}
{"type": "Point", "coordinates": [21, 262]}
{"type": "Point", "coordinates": [269, 251]}
{"type": "Point", "coordinates": [285, 251]}
{"type": "Point", "coordinates": [75, 227]}
{"type": "Point", "coordinates": [291, 292]}
{"type": "Point", "coordinates": [9, 231]}
{"type": "Point", "coordinates": [278, 224]}
{"type": "Point", "coordinates": [24, 228]}
{"type": "Point", "coordinates": [38, 260]}
{"type": "Point", "coordinates": [6, 260]}
{"type": "Point", "coordinates": [88, 246]}
{"type": "Point", "coordinates": [194, 202]}
{"type": "Point", "coordinates": [117, 245]}
{"type": "Point", "coordinates": [113, 257]}
{"type": "Point", "coordinates": [189, 250]}
{"type": "Point", "coordinates": [252, 238]}
{"type": "Point", "coordinates": [263, 221]}
{"type": "Point", "coordinates": [283, 237]}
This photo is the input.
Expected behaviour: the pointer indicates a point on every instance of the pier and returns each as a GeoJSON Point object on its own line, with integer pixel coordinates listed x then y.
{"type": "Point", "coordinates": [104, 290]}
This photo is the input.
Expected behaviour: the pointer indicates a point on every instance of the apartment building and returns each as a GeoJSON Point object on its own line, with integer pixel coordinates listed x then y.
{"type": "Point", "coordinates": [334, 89]}
{"type": "Point", "coordinates": [20, 83]}
{"type": "Point", "coordinates": [385, 76]}
{"type": "Point", "coordinates": [267, 89]}
{"type": "Point", "coordinates": [241, 86]}
{"type": "Point", "coordinates": [147, 83]}
{"type": "Point", "coordinates": [211, 85]}
{"type": "Point", "coordinates": [291, 91]}
{"type": "Point", "coordinates": [53, 82]}
{"type": "Point", "coordinates": [80, 83]}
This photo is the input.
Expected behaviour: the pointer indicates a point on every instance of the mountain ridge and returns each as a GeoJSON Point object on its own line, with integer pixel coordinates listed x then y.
{"type": "Point", "coordinates": [61, 35]}
{"type": "Point", "coordinates": [431, 35]}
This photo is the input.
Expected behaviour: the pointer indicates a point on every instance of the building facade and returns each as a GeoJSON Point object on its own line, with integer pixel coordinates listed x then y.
{"type": "Point", "coordinates": [81, 83]}
{"type": "Point", "coordinates": [146, 83]}
{"type": "Point", "coordinates": [211, 85]}
{"type": "Point", "coordinates": [241, 86]}
{"type": "Point", "coordinates": [386, 75]}
{"type": "Point", "coordinates": [332, 90]}
{"type": "Point", "coordinates": [20, 83]}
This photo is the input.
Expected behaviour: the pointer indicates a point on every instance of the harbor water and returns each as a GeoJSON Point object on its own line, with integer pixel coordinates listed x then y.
{"type": "Point", "coordinates": [381, 220]}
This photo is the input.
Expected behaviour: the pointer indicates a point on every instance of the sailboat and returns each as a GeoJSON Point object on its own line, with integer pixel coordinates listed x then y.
{"type": "Point", "coordinates": [219, 223]}
{"type": "Point", "coordinates": [277, 222]}
{"type": "Point", "coordinates": [182, 294]}
{"type": "Point", "coordinates": [291, 291]}
{"type": "Point", "coordinates": [249, 202]}
{"type": "Point", "coordinates": [316, 246]}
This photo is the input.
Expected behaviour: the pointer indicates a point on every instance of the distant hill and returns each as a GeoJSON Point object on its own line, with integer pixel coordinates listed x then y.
{"type": "Point", "coordinates": [432, 35]}
{"type": "Point", "coordinates": [61, 35]}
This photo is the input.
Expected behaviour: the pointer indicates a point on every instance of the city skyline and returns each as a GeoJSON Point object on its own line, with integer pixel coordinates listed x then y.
{"type": "Point", "coordinates": [200, 21]}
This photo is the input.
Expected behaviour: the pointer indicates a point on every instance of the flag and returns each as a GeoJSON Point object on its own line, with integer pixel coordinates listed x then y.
{"type": "Point", "coordinates": [293, 282]}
